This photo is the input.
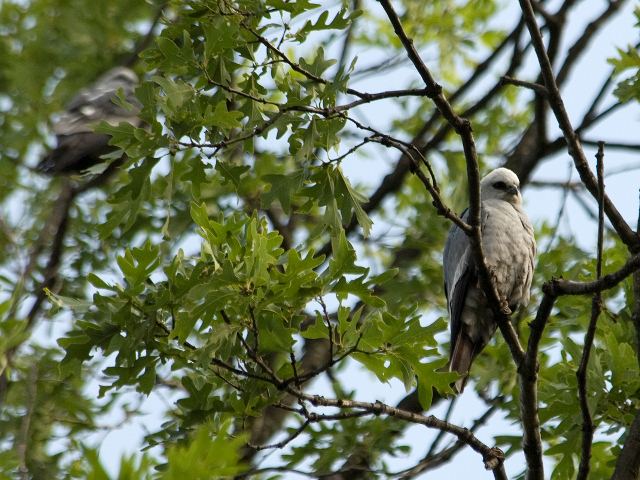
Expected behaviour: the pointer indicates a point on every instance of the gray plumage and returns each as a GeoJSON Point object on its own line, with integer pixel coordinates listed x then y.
{"type": "Point", "coordinates": [77, 145]}
{"type": "Point", "coordinates": [509, 248]}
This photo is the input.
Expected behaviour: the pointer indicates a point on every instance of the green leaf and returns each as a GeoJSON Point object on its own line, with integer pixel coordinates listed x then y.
{"type": "Point", "coordinates": [211, 453]}
{"type": "Point", "coordinates": [223, 118]}
{"type": "Point", "coordinates": [199, 215]}
{"type": "Point", "coordinates": [343, 259]}
{"type": "Point", "coordinates": [98, 282]}
{"type": "Point", "coordinates": [137, 264]}
{"type": "Point", "coordinates": [232, 173]}
{"type": "Point", "coordinates": [177, 93]}
{"type": "Point", "coordinates": [319, 65]}
{"type": "Point", "coordinates": [340, 21]}
{"type": "Point", "coordinates": [169, 49]}
{"type": "Point", "coordinates": [283, 188]}
{"type": "Point", "coordinates": [354, 199]}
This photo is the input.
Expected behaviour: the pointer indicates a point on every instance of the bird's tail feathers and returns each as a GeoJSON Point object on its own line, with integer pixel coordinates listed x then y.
{"type": "Point", "coordinates": [461, 359]}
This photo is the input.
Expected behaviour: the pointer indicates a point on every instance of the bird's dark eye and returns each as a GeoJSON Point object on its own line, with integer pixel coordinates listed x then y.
{"type": "Point", "coordinates": [500, 185]}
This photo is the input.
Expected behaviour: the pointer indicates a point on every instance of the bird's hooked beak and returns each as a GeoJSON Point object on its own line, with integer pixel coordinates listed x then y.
{"type": "Point", "coordinates": [512, 189]}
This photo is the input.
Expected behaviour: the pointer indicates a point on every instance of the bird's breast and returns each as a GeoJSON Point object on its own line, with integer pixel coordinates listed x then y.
{"type": "Point", "coordinates": [509, 247]}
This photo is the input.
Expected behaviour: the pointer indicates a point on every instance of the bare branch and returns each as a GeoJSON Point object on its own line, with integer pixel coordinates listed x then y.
{"type": "Point", "coordinates": [627, 235]}
{"type": "Point", "coordinates": [558, 287]}
{"type": "Point", "coordinates": [435, 459]}
{"type": "Point", "coordinates": [596, 307]}
{"type": "Point", "coordinates": [536, 87]}
{"type": "Point", "coordinates": [492, 457]}
{"type": "Point", "coordinates": [628, 464]}
{"type": "Point", "coordinates": [409, 152]}
{"type": "Point", "coordinates": [588, 34]}
{"type": "Point", "coordinates": [618, 145]}
{"type": "Point", "coordinates": [348, 38]}
{"type": "Point", "coordinates": [528, 373]}
{"type": "Point", "coordinates": [145, 41]}
{"type": "Point", "coordinates": [284, 442]}
{"type": "Point", "coordinates": [438, 439]}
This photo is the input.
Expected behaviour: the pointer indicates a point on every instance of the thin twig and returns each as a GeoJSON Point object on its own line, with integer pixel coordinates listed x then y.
{"type": "Point", "coordinates": [438, 439]}
{"type": "Point", "coordinates": [410, 152]}
{"type": "Point", "coordinates": [294, 368]}
{"type": "Point", "coordinates": [536, 87]}
{"type": "Point", "coordinates": [563, 205]}
{"type": "Point", "coordinates": [348, 38]}
{"type": "Point", "coordinates": [492, 457]}
{"type": "Point", "coordinates": [587, 36]}
{"type": "Point", "coordinates": [434, 460]}
{"type": "Point", "coordinates": [617, 145]}
{"type": "Point", "coordinates": [596, 307]}
{"type": "Point", "coordinates": [144, 42]}
{"type": "Point", "coordinates": [284, 442]}
{"type": "Point", "coordinates": [363, 98]}
{"type": "Point", "coordinates": [325, 316]}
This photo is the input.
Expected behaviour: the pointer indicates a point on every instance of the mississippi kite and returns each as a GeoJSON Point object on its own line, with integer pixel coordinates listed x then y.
{"type": "Point", "coordinates": [78, 146]}
{"type": "Point", "coordinates": [509, 248]}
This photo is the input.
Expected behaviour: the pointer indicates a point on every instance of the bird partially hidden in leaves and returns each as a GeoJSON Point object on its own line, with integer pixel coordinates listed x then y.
{"type": "Point", "coordinates": [78, 146]}
{"type": "Point", "coordinates": [509, 248]}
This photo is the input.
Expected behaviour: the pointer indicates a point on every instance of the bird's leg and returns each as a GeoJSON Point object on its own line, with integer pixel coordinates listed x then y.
{"type": "Point", "coordinates": [493, 459]}
{"type": "Point", "coordinates": [504, 305]}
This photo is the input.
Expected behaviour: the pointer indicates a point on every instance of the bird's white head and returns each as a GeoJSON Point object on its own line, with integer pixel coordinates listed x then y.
{"type": "Point", "coordinates": [501, 184]}
{"type": "Point", "coordinates": [118, 77]}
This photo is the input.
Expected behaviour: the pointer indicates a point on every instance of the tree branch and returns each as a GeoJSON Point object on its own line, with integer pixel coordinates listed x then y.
{"type": "Point", "coordinates": [435, 459]}
{"type": "Point", "coordinates": [628, 463]}
{"type": "Point", "coordinates": [463, 129]}
{"type": "Point", "coordinates": [492, 457]}
{"type": "Point", "coordinates": [394, 180]}
{"type": "Point", "coordinates": [557, 287]}
{"type": "Point", "coordinates": [596, 307]}
{"type": "Point", "coordinates": [144, 42]}
{"type": "Point", "coordinates": [536, 87]}
{"type": "Point", "coordinates": [588, 34]}
{"type": "Point", "coordinates": [628, 236]}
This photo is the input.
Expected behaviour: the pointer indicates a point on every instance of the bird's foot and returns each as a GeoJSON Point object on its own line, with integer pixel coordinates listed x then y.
{"type": "Point", "coordinates": [493, 459]}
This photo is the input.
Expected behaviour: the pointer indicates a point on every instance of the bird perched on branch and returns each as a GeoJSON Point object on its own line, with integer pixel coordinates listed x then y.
{"type": "Point", "coordinates": [78, 145]}
{"type": "Point", "coordinates": [509, 248]}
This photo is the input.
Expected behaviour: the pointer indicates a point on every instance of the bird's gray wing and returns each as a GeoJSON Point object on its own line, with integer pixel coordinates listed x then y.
{"type": "Point", "coordinates": [95, 104]}
{"type": "Point", "coordinates": [78, 145]}
{"type": "Point", "coordinates": [75, 152]}
{"type": "Point", "coordinates": [459, 273]}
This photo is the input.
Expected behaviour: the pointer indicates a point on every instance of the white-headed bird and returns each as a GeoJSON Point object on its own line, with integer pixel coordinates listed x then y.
{"type": "Point", "coordinates": [509, 248]}
{"type": "Point", "coordinates": [78, 146]}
